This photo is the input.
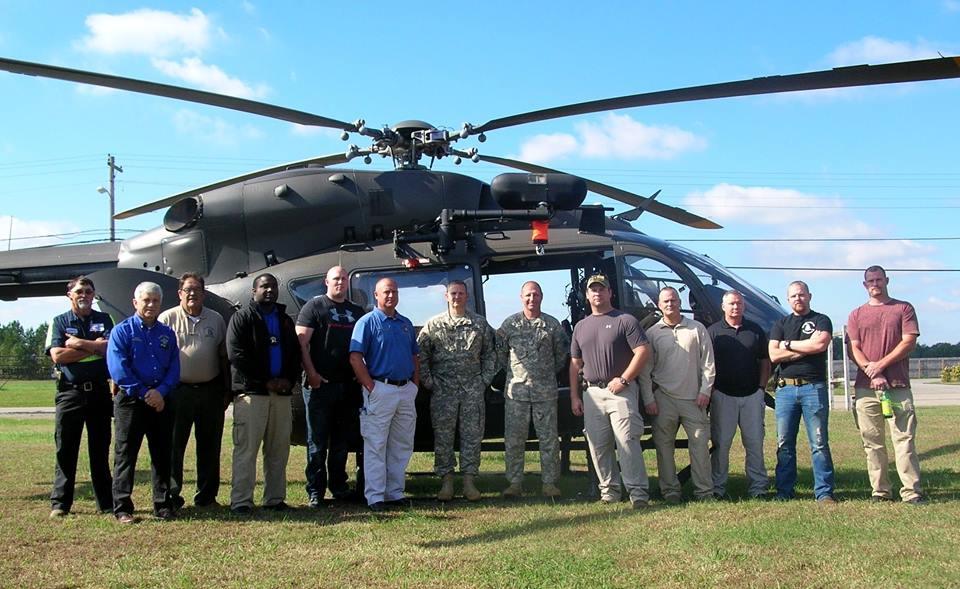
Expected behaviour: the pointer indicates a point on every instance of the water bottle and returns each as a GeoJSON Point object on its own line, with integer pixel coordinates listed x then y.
{"type": "Point", "coordinates": [886, 405]}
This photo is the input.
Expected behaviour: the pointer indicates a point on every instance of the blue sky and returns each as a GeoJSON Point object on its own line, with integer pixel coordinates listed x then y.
{"type": "Point", "coordinates": [855, 164]}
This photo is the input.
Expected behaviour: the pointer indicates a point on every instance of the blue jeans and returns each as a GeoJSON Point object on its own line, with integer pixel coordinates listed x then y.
{"type": "Point", "coordinates": [811, 402]}
{"type": "Point", "coordinates": [333, 426]}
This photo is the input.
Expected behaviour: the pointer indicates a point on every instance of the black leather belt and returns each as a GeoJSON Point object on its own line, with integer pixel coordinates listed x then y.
{"type": "Point", "coordinates": [86, 387]}
{"type": "Point", "coordinates": [198, 385]}
{"type": "Point", "coordinates": [396, 383]}
{"type": "Point", "coordinates": [600, 384]}
{"type": "Point", "coordinates": [795, 382]}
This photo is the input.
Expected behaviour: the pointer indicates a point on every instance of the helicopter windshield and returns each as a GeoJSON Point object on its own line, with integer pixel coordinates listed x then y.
{"type": "Point", "coordinates": [421, 290]}
{"type": "Point", "coordinates": [761, 307]}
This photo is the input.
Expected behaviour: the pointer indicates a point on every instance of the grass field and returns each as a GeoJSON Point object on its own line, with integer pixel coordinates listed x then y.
{"type": "Point", "coordinates": [529, 543]}
{"type": "Point", "coordinates": [27, 393]}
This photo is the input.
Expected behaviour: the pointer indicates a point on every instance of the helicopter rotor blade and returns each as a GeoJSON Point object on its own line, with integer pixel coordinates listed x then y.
{"type": "Point", "coordinates": [675, 214]}
{"type": "Point", "coordinates": [634, 213]}
{"type": "Point", "coordinates": [337, 158]}
{"type": "Point", "coordinates": [169, 91]}
{"type": "Point", "coordinates": [840, 77]}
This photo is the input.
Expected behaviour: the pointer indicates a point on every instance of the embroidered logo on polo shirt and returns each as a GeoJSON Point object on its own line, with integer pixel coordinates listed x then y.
{"type": "Point", "coordinates": [164, 342]}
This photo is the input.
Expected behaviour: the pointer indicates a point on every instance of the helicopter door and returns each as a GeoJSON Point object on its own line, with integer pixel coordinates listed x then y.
{"type": "Point", "coordinates": [643, 272]}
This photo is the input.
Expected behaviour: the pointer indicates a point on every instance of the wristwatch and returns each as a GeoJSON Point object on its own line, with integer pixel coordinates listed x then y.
{"type": "Point", "coordinates": [622, 380]}
{"type": "Point", "coordinates": [786, 345]}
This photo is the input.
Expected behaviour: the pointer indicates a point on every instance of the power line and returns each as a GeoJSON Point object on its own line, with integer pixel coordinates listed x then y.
{"type": "Point", "coordinates": [816, 239]}
{"type": "Point", "coordinates": [814, 269]}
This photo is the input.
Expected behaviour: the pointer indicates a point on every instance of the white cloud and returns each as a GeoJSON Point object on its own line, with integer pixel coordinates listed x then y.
{"type": "Point", "coordinates": [800, 215]}
{"type": "Point", "coordinates": [874, 50]}
{"type": "Point", "coordinates": [942, 305]}
{"type": "Point", "coordinates": [147, 32]}
{"type": "Point", "coordinates": [615, 136]}
{"type": "Point", "coordinates": [212, 129]}
{"type": "Point", "coordinates": [544, 148]}
{"type": "Point", "coordinates": [208, 77]}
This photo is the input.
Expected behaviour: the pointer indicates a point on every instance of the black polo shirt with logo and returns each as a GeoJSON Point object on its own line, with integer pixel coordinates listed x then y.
{"type": "Point", "coordinates": [738, 352]}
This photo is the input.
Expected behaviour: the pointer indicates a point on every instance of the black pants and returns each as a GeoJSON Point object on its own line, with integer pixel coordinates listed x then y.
{"type": "Point", "coordinates": [76, 408]}
{"type": "Point", "coordinates": [333, 425]}
{"type": "Point", "coordinates": [134, 420]}
{"type": "Point", "coordinates": [199, 407]}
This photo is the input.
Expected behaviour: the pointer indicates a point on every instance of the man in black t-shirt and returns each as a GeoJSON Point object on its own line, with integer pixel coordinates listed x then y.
{"type": "Point", "coordinates": [798, 344]}
{"type": "Point", "coordinates": [331, 394]}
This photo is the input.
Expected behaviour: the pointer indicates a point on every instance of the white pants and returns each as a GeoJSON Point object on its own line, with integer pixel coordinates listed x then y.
{"type": "Point", "coordinates": [388, 421]}
{"type": "Point", "coordinates": [613, 426]}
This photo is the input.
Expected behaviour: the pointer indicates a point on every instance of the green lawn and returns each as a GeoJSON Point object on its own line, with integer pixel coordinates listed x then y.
{"type": "Point", "coordinates": [27, 393]}
{"type": "Point", "coordinates": [530, 543]}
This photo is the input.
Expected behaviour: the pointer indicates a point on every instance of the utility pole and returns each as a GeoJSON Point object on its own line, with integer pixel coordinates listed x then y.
{"type": "Point", "coordinates": [114, 168]}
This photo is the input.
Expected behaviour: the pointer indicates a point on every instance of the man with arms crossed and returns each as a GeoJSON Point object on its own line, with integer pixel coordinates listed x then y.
{"type": "Point", "coordinates": [798, 343]}
{"type": "Point", "coordinates": [200, 399]}
{"type": "Point", "coordinates": [384, 357]}
{"type": "Point", "coordinates": [610, 349]}
{"type": "Point", "coordinates": [882, 333]}
{"type": "Point", "coordinates": [533, 349]}
{"type": "Point", "coordinates": [331, 395]}
{"type": "Point", "coordinates": [458, 360]}
{"type": "Point", "coordinates": [144, 363]}
{"type": "Point", "coordinates": [743, 369]}
{"type": "Point", "coordinates": [77, 344]}
{"type": "Point", "coordinates": [676, 386]}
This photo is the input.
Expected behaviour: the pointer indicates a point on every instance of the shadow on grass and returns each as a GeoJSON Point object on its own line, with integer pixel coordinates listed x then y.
{"type": "Point", "coordinates": [527, 527]}
{"type": "Point", "coordinates": [939, 451]}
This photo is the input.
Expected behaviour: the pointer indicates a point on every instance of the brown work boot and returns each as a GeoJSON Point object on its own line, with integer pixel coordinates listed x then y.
{"type": "Point", "coordinates": [551, 490]}
{"type": "Point", "coordinates": [513, 491]}
{"type": "Point", "coordinates": [470, 490]}
{"type": "Point", "coordinates": [446, 488]}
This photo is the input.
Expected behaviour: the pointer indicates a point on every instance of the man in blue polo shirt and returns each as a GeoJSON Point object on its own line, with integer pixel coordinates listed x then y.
{"type": "Point", "coordinates": [384, 356]}
{"type": "Point", "coordinates": [144, 361]}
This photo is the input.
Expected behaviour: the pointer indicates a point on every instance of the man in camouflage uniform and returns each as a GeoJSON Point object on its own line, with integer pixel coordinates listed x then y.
{"type": "Point", "coordinates": [533, 348]}
{"type": "Point", "coordinates": [457, 362]}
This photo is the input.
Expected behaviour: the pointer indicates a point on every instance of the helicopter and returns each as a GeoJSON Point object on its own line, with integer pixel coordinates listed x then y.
{"type": "Point", "coordinates": [421, 227]}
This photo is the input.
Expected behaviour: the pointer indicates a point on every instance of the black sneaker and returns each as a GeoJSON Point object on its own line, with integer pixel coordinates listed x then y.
{"type": "Point", "coordinates": [165, 514]}
{"type": "Point", "coordinates": [315, 503]}
{"type": "Point", "coordinates": [377, 507]}
{"type": "Point", "coordinates": [918, 500]}
{"type": "Point", "coordinates": [242, 510]}
{"type": "Point", "coordinates": [641, 504]}
{"type": "Point", "coordinates": [282, 506]}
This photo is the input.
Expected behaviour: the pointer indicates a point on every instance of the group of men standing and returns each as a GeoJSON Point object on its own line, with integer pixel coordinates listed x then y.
{"type": "Point", "coordinates": [361, 373]}
{"type": "Point", "coordinates": [684, 369]}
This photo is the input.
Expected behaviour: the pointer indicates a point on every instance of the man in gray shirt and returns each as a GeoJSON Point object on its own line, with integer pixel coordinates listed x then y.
{"type": "Point", "coordinates": [607, 351]}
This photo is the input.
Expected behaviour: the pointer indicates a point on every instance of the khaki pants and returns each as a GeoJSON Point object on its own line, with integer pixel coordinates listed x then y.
{"type": "Point", "coordinates": [257, 419]}
{"type": "Point", "coordinates": [672, 413]}
{"type": "Point", "coordinates": [612, 422]}
{"type": "Point", "coordinates": [903, 430]}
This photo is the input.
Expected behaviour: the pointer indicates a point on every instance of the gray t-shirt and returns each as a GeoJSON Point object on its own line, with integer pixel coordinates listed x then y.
{"type": "Point", "coordinates": [605, 343]}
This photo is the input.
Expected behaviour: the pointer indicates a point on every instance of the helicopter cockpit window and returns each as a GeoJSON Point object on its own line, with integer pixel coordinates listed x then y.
{"type": "Point", "coordinates": [643, 278]}
{"type": "Point", "coordinates": [421, 290]}
{"type": "Point", "coordinates": [717, 280]}
{"type": "Point", "coordinates": [304, 289]}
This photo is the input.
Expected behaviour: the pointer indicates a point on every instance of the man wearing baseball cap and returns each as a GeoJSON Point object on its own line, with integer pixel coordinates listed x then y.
{"type": "Point", "coordinates": [608, 351]}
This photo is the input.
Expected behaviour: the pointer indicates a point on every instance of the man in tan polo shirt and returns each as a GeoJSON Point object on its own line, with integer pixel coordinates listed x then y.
{"type": "Point", "coordinates": [676, 387]}
{"type": "Point", "coordinates": [203, 393]}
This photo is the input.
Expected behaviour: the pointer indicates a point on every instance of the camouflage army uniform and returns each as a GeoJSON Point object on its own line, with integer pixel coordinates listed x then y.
{"type": "Point", "coordinates": [457, 362]}
{"type": "Point", "coordinates": [532, 351]}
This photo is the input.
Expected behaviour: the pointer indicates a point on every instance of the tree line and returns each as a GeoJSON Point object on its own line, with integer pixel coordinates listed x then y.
{"type": "Point", "coordinates": [22, 351]}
